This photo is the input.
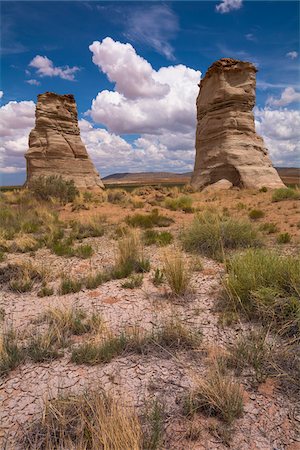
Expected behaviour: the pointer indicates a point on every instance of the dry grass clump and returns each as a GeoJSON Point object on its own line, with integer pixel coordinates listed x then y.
{"type": "Point", "coordinates": [134, 281]}
{"type": "Point", "coordinates": [162, 238]}
{"type": "Point", "coordinates": [210, 235]}
{"type": "Point", "coordinates": [117, 196]}
{"type": "Point", "coordinates": [44, 346]}
{"type": "Point", "coordinates": [268, 227]}
{"type": "Point", "coordinates": [91, 420]}
{"type": "Point", "coordinates": [93, 227]}
{"type": "Point", "coordinates": [154, 219]}
{"type": "Point", "coordinates": [183, 203]}
{"type": "Point", "coordinates": [11, 354]}
{"type": "Point", "coordinates": [265, 286]}
{"type": "Point", "coordinates": [284, 238]}
{"type": "Point", "coordinates": [21, 277]}
{"type": "Point", "coordinates": [130, 257]}
{"type": "Point", "coordinates": [177, 272]}
{"type": "Point", "coordinates": [216, 394]}
{"type": "Point", "coordinates": [285, 193]}
{"type": "Point", "coordinates": [70, 285]}
{"type": "Point", "coordinates": [256, 214]}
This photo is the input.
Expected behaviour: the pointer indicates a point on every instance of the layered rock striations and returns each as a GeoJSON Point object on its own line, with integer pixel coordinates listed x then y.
{"type": "Point", "coordinates": [227, 146]}
{"type": "Point", "coordinates": [55, 145]}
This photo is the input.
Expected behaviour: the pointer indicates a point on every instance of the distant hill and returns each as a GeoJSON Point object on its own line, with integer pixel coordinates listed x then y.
{"type": "Point", "coordinates": [289, 175]}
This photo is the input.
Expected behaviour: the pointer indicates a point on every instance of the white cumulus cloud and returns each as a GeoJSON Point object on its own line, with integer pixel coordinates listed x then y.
{"type": "Point", "coordinates": [144, 100]}
{"type": "Point", "coordinates": [292, 55]}
{"type": "Point", "coordinates": [46, 68]}
{"type": "Point", "coordinates": [226, 6]}
{"type": "Point", "coordinates": [33, 82]}
{"type": "Point", "coordinates": [288, 96]}
{"type": "Point", "coordinates": [1, 94]}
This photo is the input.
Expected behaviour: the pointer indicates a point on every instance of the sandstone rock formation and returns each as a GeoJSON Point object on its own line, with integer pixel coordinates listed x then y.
{"type": "Point", "coordinates": [227, 146]}
{"type": "Point", "coordinates": [55, 145]}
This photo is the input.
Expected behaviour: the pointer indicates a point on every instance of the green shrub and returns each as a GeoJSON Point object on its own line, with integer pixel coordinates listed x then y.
{"type": "Point", "coordinates": [269, 227]}
{"type": "Point", "coordinates": [284, 238]}
{"type": "Point", "coordinates": [149, 220]}
{"type": "Point", "coordinates": [255, 214]}
{"type": "Point", "coordinates": [68, 285]}
{"type": "Point", "coordinates": [183, 203]}
{"type": "Point", "coordinates": [162, 238]}
{"type": "Point", "coordinates": [92, 281]}
{"type": "Point", "coordinates": [63, 248]}
{"type": "Point", "coordinates": [45, 291]}
{"type": "Point", "coordinates": [285, 193]}
{"type": "Point", "coordinates": [84, 251]}
{"type": "Point", "coordinates": [134, 281]}
{"type": "Point", "coordinates": [210, 235]}
{"type": "Point", "coordinates": [54, 186]}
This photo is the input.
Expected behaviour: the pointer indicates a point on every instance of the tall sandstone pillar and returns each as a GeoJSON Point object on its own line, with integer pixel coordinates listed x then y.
{"type": "Point", "coordinates": [227, 146]}
{"type": "Point", "coordinates": [55, 145]}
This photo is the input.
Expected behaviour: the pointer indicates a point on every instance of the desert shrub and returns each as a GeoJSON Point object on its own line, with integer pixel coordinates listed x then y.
{"type": "Point", "coordinates": [134, 281]}
{"type": "Point", "coordinates": [63, 248]}
{"type": "Point", "coordinates": [210, 235]}
{"type": "Point", "coordinates": [100, 352]}
{"type": "Point", "coordinates": [43, 347]}
{"type": "Point", "coordinates": [23, 243]}
{"type": "Point", "coordinates": [92, 228]}
{"type": "Point", "coordinates": [162, 238]}
{"type": "Point", "coordinates": [285, 193]}
{"type": "Point", "coordinates": [255, 214]}
{"type": "Point", "coordinates": [18, 220]}
{"type": "Point", "coordinates": [284, 238]}
{"type": "Point", "coordinates": [68, 320]}
{"type": "Point", "coordinates": [183, 203]}
{"type": "Point", "coordinates": [69, 285]}
{"type": "Point", "coordinates": [54, 186]}
{"type": "Point", "coordinates": [269, 227]}
{"type": "Point", "coordinates": [130, 257]}
{"type": "Point", "coordinates": [91, 420]}
{"type": "Point", "coordinates": [175, 335]}
{"type": "Point", "coordinates": [263, 189]}
{"type": "Point", "coordinates": [149, 220]}
{"type": "Point", "coordinates": [93, 280]}
{"type": "Point", "coordinates": [2, 256]}
{"type": "Point", "coordinates": [177, 272]}
{"type": "Point", "coordinates": [266, 286]}
{"type": "Point", "coordinates": [217, 395]}
{"type": "Point", "coordinates": [11, 354]}
{"type": "Point", "coordinates": [158, 277]}
{"type": "Point", "coordinates": [116, 195]}
{"type": "Point", "coordinates": [84, 251]}
{"type": "Point", "coordinates": [45, 291]}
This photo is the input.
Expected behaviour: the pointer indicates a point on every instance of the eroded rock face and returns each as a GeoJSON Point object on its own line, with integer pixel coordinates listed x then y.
{"type": "Point", "coordinates": [227, 146]}
{"type": "Point", "coordinates": [55, 145]}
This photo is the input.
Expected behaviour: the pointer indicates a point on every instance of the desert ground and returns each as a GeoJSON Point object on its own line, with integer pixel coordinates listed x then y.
{"type": "Point", "coordinates": [159, 318]}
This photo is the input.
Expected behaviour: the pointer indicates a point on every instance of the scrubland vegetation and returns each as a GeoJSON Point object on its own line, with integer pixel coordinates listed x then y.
{"type": "Point", "coordinates": [88, 281]}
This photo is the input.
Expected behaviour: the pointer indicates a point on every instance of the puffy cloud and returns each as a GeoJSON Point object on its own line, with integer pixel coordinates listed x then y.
{"type": "Point", "coordinates": [292, 55]}
{"type": "Point", "coordinates": [16, 119]}
{"type": "Point", "coordinates": [281, 131]}
{"type": "Point", "coordinates": [33, 82]}
{"type": "Point", "coordinates": [289, 95]}
{"type": "Point", "coordinates": [145, 100]}
{"type": "Point", "coordinates": [226, 6]}
{"type": "Point", "coordinates": [46, 68]}
{"type": "Point", "coordinates": [1, 94]}
{"type": "Point", "coordinates": [154, 26]}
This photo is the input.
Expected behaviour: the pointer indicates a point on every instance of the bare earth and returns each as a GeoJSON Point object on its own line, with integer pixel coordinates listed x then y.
{"type": "Point", "coordinates": [271, 420]}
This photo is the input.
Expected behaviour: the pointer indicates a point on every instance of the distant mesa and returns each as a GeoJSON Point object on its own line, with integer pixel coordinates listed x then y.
{"type": "Point", "coordinates": [227, 146]}
{"type": "Point", "coordinates": [55, 145]}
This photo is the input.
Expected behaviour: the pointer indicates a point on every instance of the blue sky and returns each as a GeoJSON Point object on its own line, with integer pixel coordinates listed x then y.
{"type": "Point", "coordinates": [45, 47]}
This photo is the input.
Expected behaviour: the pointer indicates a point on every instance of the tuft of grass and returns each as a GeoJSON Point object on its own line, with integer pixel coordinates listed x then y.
{"type": "Point", "coordinates": [153, 420]}
{"type": "Point", "coordinates": [183, 203]}
{"type": "Point", "coordinates": [62, 248]}
{"type": "Point", "coordinates": [265, 286]}
{"type": "Point", "coordinates": [217, 395]}
{"type": "Point", "coordinates": [149, 220]}
{"type": "Point", "coordinates": [285, 193]}
{"type": "Point", "coordinates": [255, 214]}
{"type": "Point", "coordinates": [43, 346]}
{"type": "Point", "coordinates": [23, 243]}
{"type": "Point", "coordinates": [68, 320]}
{"type": "Point", "coordinates": [117, 196]}
{"type": "Point", "coordinates": [11, 354]}
{"type": "Point", "coordinates": [269, 227]}
{"type": "Point", "coordinates": [210, 234]}
{"type": "Point", "coordinates": [177, 272]}
{"type": "Point", "coordinates": [158, 277]}
{"type": "Point", "coordinates": [93, 280]}
{"type": "Point", "coordinates": [133, 282]}
{"type": "Point", "coordinates": [175, 335]}
{"type": "Point", "coordinates": [22, 277]}
{"type": "Point", "coordinates": [45, 291]}
{"type": "Point", "coordinates": [84, 251]}
{"type": "Point", "coordinates": [162, 238]}
{"type": "Point", "coordinates": [69, 285]}
{"type": "Point", "coordinates": [284, 238]}
{"type": "Point", "coordinates": [92, 228]}
{"type": "Point", "coordinates": [94, 353]}
{"type": "Point", "coordinates": [91, 420]}
{"type": "Point", "coordinates": [130, 257]}
{"type": "Point", "coordinates": [263, 189]}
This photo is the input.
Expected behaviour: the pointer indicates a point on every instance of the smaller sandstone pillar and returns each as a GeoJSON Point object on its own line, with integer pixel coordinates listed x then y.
{"type": "Point", "coordinates": [227, 146]}
{"type": "Point", "coordinates": [55, 145]}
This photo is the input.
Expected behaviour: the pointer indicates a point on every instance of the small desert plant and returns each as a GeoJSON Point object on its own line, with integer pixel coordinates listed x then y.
{"type": "Point", "coordinates": [283, 238]}
{"type": "Point", "coordinates": [11, 354]}
{"type": "Point", "coordinates": [23, 243]}
{"type": "Point", "coordinates": [2, 256]}
{"type": "Point", "coordinates": [175, 335]}
{"type": "Point", "coordinates": [162, 238]}
{"type": "Point", "coordinates": [255, 214]}
{"type": "Point", "coordinates": [63, 248]}
{"type": "Point", "coordinates": [217, 395]}
{"type": "Point", "coordinates": [183, 203]}
{"type": "Point", "coordinates": [43, 346]}
{"type": "Point", "coordinates": [54, 186]}
{"type": "Point", "coordinates": [130, 257]}
{"type": "Point", "coordinates": [92, 228]}
{"type": "Point", "coordinates": [91, 420]}
{"type": "Point", "coordinates": [116, 196]}
{"type": "Point", "coordinates": [285, 193]}
{"type": "Point", "coordinates": [149, 220]}
{"type": "Point", "coordinates": [158, 277]}
{"type": "Point", "coordinates": [177, 272]}
{"type": "Point", "coordinates": [133, 281]}
{"type": "Point", "coordinates": [100, 352]}
{"type": "Point", "coordinates": [263, 189]}
{"type": "Point", "coordinates": [153, 420]}
{"type": "Point", "coordinates": [210, 235]}
{"type": "Point", "coordinates": [22, 277]}
{"type": "Point", "coordinates": [45, 291]}
{"type": "Point", "coordinates": [93, 280]}
{"type": "Point", "coordinates": [84, 251]}
{"type": "Point", "coordinates": [269, 227]}
{"type": "Point", "coordinates": [68, 320]}
{"type": "Point", "coordinates": [69, 285]}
